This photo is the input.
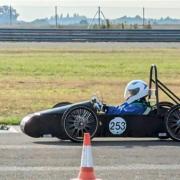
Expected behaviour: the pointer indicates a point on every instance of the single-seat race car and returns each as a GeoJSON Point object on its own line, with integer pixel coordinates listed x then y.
{"type": "Point", "coordinates": [69, 121]}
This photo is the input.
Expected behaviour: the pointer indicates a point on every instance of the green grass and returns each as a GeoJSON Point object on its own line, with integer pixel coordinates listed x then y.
{"type": "Point", "coordinates": [35, 79]}
{"type": "Point", "coordinates": [86, 65]}
{"type": "Point", "coordinates": [14, 120]}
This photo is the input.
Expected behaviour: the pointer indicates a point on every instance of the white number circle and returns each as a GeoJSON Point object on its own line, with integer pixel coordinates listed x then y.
{"type": "Point", "coordinates": [117, 125]}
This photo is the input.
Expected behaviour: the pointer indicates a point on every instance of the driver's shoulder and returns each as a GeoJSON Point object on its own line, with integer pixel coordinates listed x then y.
{"type": "Point", "coordinates": [136, 104]}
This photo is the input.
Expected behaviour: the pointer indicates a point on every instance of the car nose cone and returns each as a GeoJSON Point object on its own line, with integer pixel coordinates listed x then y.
{"type": "Point", "coordinates": [24, 121]}
{"type": "Point", "coordinates": [30, 125]}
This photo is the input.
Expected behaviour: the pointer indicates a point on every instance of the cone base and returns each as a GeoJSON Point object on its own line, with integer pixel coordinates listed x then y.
{"type": "Point", "coordinates": [86, 179]}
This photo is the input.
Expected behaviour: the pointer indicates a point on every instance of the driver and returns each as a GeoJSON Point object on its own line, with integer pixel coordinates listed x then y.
{"type": "Point", "coordinates": [135, 94]}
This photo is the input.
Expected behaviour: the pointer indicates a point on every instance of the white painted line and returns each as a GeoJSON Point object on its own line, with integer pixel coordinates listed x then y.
{"type": "Point", "coordinates": [99, 168]}
{"type": "Point", "coordinates": [41, 168]}
{"type": "Point", "coordinates": [17, 147]}
{"type": "Point", "coordinates": [12, 129]}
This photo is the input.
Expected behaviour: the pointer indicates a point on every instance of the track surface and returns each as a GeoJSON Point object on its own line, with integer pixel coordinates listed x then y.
{"type": "Point", "coordinates": [87, 35]}
{"type": "Point", "coordinates": [23, 157]}
{"type": "Point", "coordinates": [81, 46]}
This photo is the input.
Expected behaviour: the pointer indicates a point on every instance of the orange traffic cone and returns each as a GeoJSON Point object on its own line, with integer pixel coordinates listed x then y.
{"type": "Point", "coordinates": [86, 170]}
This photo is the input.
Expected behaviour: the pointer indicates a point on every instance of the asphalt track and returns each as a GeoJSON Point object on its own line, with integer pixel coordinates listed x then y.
{"type": "Point", "coordinates": [22, 157]}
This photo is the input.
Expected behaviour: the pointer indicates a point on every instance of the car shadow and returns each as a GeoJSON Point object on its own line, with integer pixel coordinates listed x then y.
{"type": "Point", "coordinates": [120, 143]}
{"type": "Point", "coordinates": [140, 143]}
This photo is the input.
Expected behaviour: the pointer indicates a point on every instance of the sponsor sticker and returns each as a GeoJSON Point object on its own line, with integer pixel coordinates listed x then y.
{"type": "Point", "coordinates": [117, 126]}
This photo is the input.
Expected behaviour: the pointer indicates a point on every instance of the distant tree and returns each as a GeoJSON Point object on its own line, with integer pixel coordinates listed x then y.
{"type": "Point", "coordinates": [148, 26]}
{"type": "Point", "coordinates": [122, 25]}
{"type": "Point", "coordinates": [138, 17]}
{"type": "Point", "coordinates": [83, 22]}
{"type": "Point", "coordinates": [135, 26]}
{"type": "Point", "coordinates": [95, 26]}
{"type": "Point", "coordinates": [41, 21]}
{"type": "Point", "coordinates": [67, 15]}
{"type": "Point", "coordinates": [75, 15]}
{"type": "Point", "coordinates": [5, 14]}
{"type": "Point", "coordinates": [108, 23]}
{"type": "Point", "coordinates": [103, 26]}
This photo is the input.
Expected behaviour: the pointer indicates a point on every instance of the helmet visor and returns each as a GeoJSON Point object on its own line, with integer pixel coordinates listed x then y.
{"type": "Point", "coordinates": [131, 92]}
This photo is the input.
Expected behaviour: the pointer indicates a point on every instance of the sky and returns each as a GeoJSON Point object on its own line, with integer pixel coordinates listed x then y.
{"type": "Point", "coordinates": [32, 9]}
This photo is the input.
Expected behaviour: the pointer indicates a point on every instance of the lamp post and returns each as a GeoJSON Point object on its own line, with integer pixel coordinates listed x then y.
{"type": "Point", "coordinates": [56, 16]}
{"type": "Point", "coordinates": [10, 15]}
{"type": "Point", "coordinates": [143, 17]}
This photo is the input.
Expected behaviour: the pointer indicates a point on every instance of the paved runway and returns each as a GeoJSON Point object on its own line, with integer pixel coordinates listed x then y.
{"type": "Point", "coordinates": [22, 157]}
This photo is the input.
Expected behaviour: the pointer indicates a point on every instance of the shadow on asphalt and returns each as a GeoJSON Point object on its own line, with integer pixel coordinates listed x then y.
{"type": "Point", "coordinates": [120, 143]}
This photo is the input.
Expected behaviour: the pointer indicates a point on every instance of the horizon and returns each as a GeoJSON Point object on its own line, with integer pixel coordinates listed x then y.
{"type": "Point", "coordinates": [112, 9]}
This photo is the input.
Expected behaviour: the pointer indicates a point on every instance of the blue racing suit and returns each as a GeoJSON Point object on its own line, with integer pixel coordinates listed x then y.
{"type": "Point", "coordinates": [135, 108]}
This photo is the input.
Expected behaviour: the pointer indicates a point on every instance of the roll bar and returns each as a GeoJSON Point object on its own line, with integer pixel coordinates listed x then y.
{"type": "Point", "coordinates": [159, 85]}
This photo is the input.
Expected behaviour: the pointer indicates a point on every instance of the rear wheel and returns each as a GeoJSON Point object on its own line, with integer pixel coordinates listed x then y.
{"type": "Point", "coordinates": [167, 105]}
{"type": "Point", "coordinates": [173, 123]}
{"type": "Point", "coordinates": [79, 120]}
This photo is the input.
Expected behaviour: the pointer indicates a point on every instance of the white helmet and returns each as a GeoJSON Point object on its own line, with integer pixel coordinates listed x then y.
{"type": "Point", "coordinates": [135, 90]}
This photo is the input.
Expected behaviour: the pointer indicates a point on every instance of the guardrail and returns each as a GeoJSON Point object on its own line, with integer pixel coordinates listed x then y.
{"type": "Point", "coordinates": [88, 35]}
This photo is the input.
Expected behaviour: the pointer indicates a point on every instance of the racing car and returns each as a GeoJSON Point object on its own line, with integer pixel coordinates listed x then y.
{"type": "Point", "coordinates": [69, 121]}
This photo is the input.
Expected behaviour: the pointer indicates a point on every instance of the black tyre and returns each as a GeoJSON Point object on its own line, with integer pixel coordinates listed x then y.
{"type": "Point", "coordinates": [165, 104]}
{"type": "Point", "coordinates": [79, 120]}
{"type": "Point", "coordinates": [61, 104]}
{"type": "Point", "coordinates": [173, 122]}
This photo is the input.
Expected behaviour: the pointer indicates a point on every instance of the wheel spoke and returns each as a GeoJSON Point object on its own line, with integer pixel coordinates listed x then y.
{"type": "Point", "coordinates": [86, 115]}
{"type": "Point", "coordinates": [79, 111]}
{"type": "Point", "coordinates": [78, 133]}
{"type": "Point", "coordinates": [90, 122]}
{"type": "Point", "coordinates": [91, 119]}
{"type": "Point", "coordinates": [177, 129]}
{"type": "Point", "coordinates": [71, 122]}
{"type": "Point", "coordinates": [85, 129]}
{"type": "Point", "coordinates": [74, 131]}
{"type": "Point", "coordinates": [71, 126]}
{"type": "Point", "coordinates": [82, 132]}
{"type": "Point", "coordinates": [176, 114]}
{"type": "Point", "coordinates": [88, 128]}
{"type": "Point", "coordinates": [173, 121]}
{"type": "Point", "coordinates": [173, 126]}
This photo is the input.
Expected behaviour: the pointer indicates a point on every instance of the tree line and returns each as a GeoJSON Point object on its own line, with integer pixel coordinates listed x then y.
{"type": "Point", "coordinates": [7, 14]}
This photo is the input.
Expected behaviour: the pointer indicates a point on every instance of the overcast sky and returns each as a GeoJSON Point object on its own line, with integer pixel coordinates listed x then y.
{"type": "Point", "coordinates": [32, 9]}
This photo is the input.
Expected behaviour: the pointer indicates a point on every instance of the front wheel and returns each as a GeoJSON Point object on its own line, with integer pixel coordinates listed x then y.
{"type": "Point", "coordinates": [61, 104]}
{"type": "Point", "coordinates": [79, 120]}
{"type": "Point", "coordinates": [173, 123]}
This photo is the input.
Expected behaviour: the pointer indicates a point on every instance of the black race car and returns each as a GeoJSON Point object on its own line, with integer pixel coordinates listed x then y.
{"type": "Point", "coordinates": [69, 121]}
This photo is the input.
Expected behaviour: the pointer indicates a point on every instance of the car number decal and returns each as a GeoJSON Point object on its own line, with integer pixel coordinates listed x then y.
{"type": "Point", "coordinates": [117, 125]}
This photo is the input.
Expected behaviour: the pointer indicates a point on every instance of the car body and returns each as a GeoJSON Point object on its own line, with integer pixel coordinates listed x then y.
{"type": "Point", "coordinates": [70, 121]}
